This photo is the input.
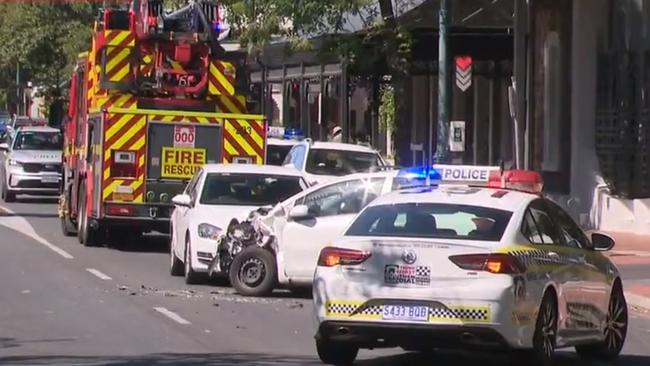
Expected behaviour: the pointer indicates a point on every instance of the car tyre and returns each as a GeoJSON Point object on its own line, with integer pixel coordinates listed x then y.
{"type": "Point", "coordinates": [191, 277]}
{"type": "Point", "coordinates": [7, 195]}
{"type": "Point", "coordinates": [615, 330]}
{"type": "Point", "coordinates": [253, 272]}
{"type": "Point", "coordinates": [545, 336]}
{"type": "Point", "coordinates": [175, 265]}
{"type": "Point", "coordinates": [333, 353]}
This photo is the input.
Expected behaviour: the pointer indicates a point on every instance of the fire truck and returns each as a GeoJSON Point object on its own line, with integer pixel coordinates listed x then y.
{"type": "Point", "coordinates": [154, 99]}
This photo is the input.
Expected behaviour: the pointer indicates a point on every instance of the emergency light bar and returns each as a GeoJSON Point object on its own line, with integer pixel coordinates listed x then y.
{"type": "Point", "coordinates": [470, 175]}
{"type": "Point", "coordinates": [285, 133]}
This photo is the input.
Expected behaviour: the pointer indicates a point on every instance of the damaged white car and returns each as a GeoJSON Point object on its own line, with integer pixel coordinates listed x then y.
{"type": "Point", "coordinates": [279, 246]}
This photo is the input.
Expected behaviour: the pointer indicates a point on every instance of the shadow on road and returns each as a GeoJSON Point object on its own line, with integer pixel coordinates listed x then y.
{"type": "Point", "coordinates": [222, 359]}
{"type": "Point", "coordinates": [29, 214]}
{"type": "Point", "coordinates": [39, 199]}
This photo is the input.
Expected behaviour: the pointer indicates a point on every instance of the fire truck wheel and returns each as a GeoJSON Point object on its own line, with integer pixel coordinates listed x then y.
{"type": "Point", "coordinates": [191, 277]}
{"type": "Point", "coordinates": [7, 195]}
{"type": "Point", "coordinates": [87, 235]}
{"type": "Point", "coordinates": [67, 226]}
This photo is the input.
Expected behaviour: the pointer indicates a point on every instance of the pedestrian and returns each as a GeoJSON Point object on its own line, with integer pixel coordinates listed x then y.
{"type": "Point", "coordinates": [337, 134]}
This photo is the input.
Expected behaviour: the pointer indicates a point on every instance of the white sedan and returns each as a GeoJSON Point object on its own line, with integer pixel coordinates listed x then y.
{"type": "Point", "coordinates": [468, 266]}
{"type": "Point", "coordinates": [216, 194]}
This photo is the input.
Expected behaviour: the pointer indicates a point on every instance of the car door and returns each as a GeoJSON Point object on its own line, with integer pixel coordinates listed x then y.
{"type": "Point", "coordinates": [593, 285]}
{"type": "Point", "coordinates": [551, 261]}
{"type": "Point", "coordinates": [332, 208]}
{"type": "Point", "coordinates": [181, 213]}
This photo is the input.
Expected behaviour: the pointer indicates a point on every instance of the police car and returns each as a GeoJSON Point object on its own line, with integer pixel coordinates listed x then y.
{"type": "Point", "coordinates": [278, 143]}
{"type": "Point", "coordinates": [488, 264]}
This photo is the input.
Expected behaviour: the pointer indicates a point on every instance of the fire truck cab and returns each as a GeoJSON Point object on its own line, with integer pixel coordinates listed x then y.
{"type": "Point", "coordinates": [154, 98]}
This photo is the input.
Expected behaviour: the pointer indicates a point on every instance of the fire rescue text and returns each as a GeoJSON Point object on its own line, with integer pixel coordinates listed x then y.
{"type": "Point", "coordinates": [181, 162]}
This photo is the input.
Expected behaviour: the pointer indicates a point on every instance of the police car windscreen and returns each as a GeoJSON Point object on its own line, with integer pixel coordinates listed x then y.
{"type": "Point", "coordinates": [340, 162]}
{"type": "Point", "coordinates": [248, 189]}
{"type": "Point", "coordinates": [275, 154]}
{"type": "Point", "coordinates": [33, 140]}
{"type": "Point", "coordinates": [432, 220]}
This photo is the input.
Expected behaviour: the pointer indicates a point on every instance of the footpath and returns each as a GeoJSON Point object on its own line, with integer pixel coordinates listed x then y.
{"type": "Point", "coordinates": [631, 254]}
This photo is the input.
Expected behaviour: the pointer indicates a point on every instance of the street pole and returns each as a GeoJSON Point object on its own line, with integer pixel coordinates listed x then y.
{"type": "Point", "coordinates": [442, 141]}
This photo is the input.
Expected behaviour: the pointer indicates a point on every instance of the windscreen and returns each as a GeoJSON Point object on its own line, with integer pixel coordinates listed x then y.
{"type": "Point", "coordinates": [249, 189]}
{"type": "Point", "coordinates": [340, 162]}
{"type": "Point", "coordinates": [38, 140]}
{"type": "Point", "coordinates": [431, 220]}
{"type": "Point", "coordinates": [275, 154]}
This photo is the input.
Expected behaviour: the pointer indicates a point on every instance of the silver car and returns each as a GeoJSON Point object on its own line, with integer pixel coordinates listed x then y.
{"type": "Point", "coordinates": [32, 162]}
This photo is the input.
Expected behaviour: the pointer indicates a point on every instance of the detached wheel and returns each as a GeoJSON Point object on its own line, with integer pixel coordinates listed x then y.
{"type": "Point", "coordinates": [175, 265]}
{"type": "Point", "coordinates": [615, 330]}
{"type": "Point", "coordinates": [191, 277]}
{"type": "Point", "coordinates": [253, 272]}
{"type": "Point", "coordinates": [545, 336]}
{"type": "Point", "coordinates": [333, 353]}
{"type": "Point", "coordinates": [7, 195]}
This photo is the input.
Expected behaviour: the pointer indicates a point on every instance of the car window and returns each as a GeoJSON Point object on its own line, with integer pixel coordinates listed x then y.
{"type": "Point", "coordinates": [346, 197]}
{"type": "Point", "coordinates": [431, 220]}
{"type": "Point", "coordinates": [38, 140]}
{"type": "Point", "coordinates": [570, 231]}
{"type": "Point", "coordinates": [529, 229]}
{"type": "Point", "coordinates": [276, 154]}
{"type": "Point", "coordinates": [340, 162]}
{"type": "Point", "coordinates": [249, 189]}
{"type": "Point", "coordinates": [298, 157]}
{"type": "Point", "coordinates": [544, 227]}
{"type": "Point", "coordinates": [194, 189]}
{"type": "Point", "coordinates": [190, 185]}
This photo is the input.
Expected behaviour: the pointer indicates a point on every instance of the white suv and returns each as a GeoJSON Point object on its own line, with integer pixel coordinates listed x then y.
{"type": "Point", "coordinates": [324, 161]}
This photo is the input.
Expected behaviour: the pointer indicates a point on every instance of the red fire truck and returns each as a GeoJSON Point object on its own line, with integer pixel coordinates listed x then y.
{"type": "Point", "coordinates": [154, 98]}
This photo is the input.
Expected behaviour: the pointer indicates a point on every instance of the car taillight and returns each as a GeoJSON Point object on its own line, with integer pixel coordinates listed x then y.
{"type": "Point", "coordinates": [120, 210]}
{"type": "Point", "coordinates": [493, 263]}
{"type": "Point", "coordinates": [123, 164]}
{"type": "Point", "coordinates": [331, 256]}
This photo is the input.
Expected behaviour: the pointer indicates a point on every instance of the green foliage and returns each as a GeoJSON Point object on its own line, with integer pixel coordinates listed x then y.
{"type": "Point", "coordinates": [386, 108]}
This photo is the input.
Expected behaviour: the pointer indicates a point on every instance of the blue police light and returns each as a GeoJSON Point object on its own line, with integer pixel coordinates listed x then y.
{"type": "Point", "coordinates": [217, 27]}
{"type": "Point", "coordinates": [293, 134]}
{"type": "Point", "coordinates": [417, 177]}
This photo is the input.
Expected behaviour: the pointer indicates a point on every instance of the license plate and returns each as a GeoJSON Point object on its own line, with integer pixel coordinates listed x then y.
{"type": "Point", "coordinates": [405, 312]}
{"type": "Point", "coordinates": [50, 179]}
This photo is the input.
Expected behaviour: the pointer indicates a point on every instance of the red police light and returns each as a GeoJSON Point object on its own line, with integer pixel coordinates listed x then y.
{"type": "Point", "coordinates": [518, 180]}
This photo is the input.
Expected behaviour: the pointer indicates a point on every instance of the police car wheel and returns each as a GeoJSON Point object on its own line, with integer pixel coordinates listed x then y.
{"type": "Point", "coordinates": [333, 353]}
{"type": "Point", "coordinates": [253, 272]}
{"type": "Point", "coordinates": [544, 338]}
{"type": "Point", "coordinates": [615, 330]}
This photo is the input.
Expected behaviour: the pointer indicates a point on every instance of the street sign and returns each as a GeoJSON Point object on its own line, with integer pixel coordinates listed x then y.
{"type": "Point", "coordinates": [464, 72]}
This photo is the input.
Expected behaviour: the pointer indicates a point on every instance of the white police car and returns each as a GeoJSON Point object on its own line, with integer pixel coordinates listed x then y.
{"type": "Point", "coordinates": [466, 265]}
{"type": "Point", "coordinates": [278, 143]}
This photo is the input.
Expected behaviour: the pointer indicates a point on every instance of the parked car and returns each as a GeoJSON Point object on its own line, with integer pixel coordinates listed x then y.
{"type": "Point", "coordinates": [32, 162]}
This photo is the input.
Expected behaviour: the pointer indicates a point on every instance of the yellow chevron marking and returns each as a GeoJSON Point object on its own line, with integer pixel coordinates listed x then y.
{"type": "Point", "coordinates": [126, 136]}
{"type": "Point", "coordinates": [141, 161]}
{"type": "Point", "coordinates": [203, 120]}
{"type": "Point", "coordinates": [119, 39]}
{"type": "Point", "coordinates": [137, 145]}
{"type": "Point", "coordinates": [230, 106]}
{"type": "Point", "coordinates": [122, 73]}
{"type": "Point", "coordinates": [229, 148]}
{"type": "Point", "coordinates": [107, 172]}
{"type": "Point", "coordinates": [254, 135]}
{"type": "Point", "coordinates": [230, 88]}
{"type": "Point", "coordinates": [111, 187]}
{"type": "Point", "coordinates": [110, 65]}
{"type": "Point", "coordinates": [242, 142]}
{"type": "Point", "coordinates": [137, 183]}
{"type": "Point", "coordinates": [147, 59]}
{"type": "Point", "coordinates": [176, 66]}
{"type": "Point", "coordinates": [139, 198]}
{"type": "Point", "coordinates": [117, 126]}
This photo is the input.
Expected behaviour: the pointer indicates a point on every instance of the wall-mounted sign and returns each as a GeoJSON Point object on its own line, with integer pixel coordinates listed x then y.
{"type": "Point", "coordinates": [464, 72]}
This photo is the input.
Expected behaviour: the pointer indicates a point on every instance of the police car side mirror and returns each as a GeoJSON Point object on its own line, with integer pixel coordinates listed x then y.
{"type": "Point", "coordinates": [602, 242]}
{"type": "Point", "coordinates": [182, 200]}
{"type": "Point", "coordinates": [299, 212]}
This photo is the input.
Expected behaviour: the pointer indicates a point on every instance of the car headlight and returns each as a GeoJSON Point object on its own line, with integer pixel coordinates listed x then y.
{"type": "Point", "coordinates": [15, 163]}
{"type": "Point", "coordinates": [208, 231]}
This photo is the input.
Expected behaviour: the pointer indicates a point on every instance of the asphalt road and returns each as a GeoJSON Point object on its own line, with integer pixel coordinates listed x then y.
{"type": "Point", "coordinates": [61, 303]}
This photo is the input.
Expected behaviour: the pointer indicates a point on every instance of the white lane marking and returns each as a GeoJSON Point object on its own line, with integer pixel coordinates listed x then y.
{"type": "Point", "coordinates": [99, 274]}
{"type": "Point", "coordinates": [172, 315]}
{"type": "Point", "coordinates": [25, 292]}
{"type": "Point", "coordinates": [20, 224]}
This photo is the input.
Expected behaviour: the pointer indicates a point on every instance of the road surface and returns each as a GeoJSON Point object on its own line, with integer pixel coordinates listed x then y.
{"type": "Point", "coordinates": [61, 303]}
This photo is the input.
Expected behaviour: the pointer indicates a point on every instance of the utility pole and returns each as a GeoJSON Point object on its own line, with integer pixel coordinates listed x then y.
{"type": "Point", "coordinates": [442, 141]}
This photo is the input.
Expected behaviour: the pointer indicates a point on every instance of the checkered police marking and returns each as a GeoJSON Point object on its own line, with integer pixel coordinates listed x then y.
{"type": "Point", "coordinates": [453, 314]}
